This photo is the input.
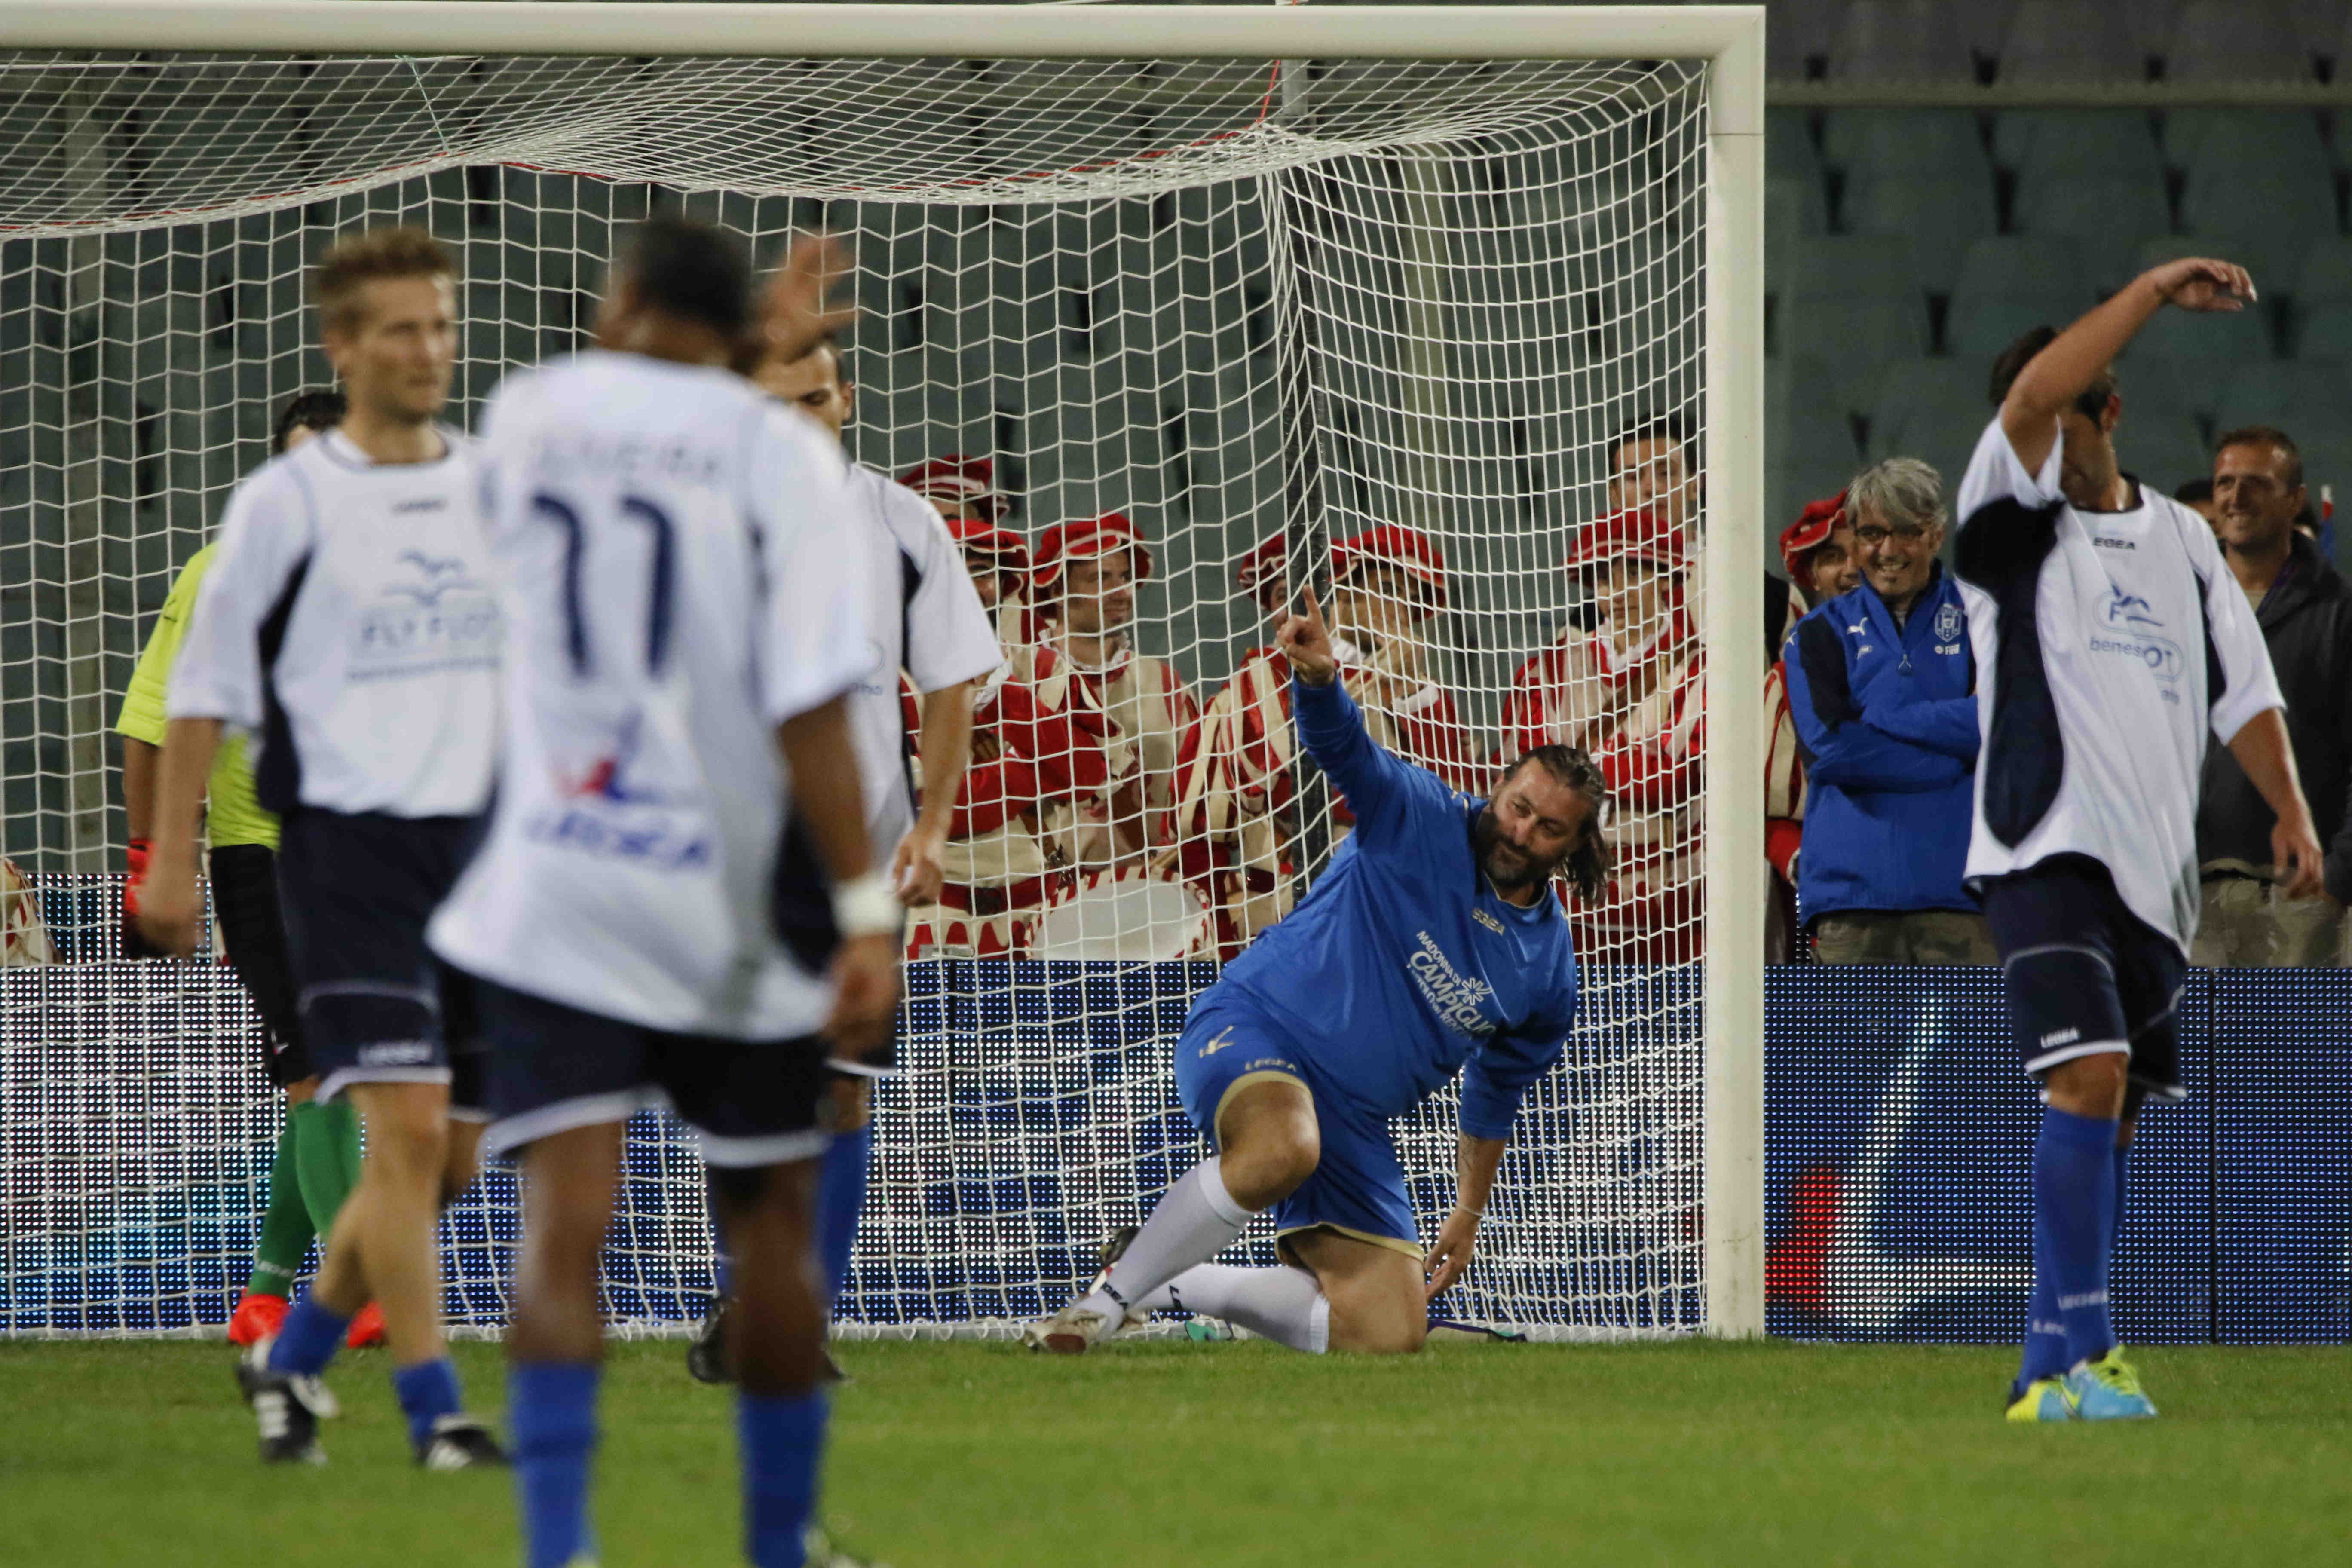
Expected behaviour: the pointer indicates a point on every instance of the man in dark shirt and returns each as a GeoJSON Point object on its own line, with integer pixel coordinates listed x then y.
{"type": "Point", "coordinates": [2304, 610]}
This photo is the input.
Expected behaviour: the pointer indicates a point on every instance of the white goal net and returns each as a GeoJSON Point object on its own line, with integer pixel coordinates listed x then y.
{"type": "Point", "coordinates": [1391, 327]}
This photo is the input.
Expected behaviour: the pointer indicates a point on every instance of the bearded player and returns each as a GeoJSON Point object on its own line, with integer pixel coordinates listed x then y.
{"type": "Point", "coordinates": [1432, 945]}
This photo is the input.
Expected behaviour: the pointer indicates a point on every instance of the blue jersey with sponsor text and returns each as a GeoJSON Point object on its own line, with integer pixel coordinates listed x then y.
{"type": "Point", "coordinates": [1404, 966]}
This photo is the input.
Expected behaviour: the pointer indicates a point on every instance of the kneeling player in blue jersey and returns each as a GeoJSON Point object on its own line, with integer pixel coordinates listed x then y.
{"type": "Point", "coordinates": [1432, 944]}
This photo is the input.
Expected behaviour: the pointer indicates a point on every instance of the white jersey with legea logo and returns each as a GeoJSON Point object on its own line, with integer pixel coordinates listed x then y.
{"type": "Point", "coordinates": [351, 624]}
{"type": "Point", "coordinates": [677, 585]}
{"type": "Point", "coordinates": [2109, 647]}
{"type": "Point", "coordinates": [927, 619]}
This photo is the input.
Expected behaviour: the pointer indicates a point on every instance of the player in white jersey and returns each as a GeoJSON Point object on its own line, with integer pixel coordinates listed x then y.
{"type": "Point", "coordinates": [925, 618]}
{"type": "Point", "coordinates": [351, 625]}
{"type": "Point", "coordinates": [2115, 646]}
{"type": "Point", "coordinates": [687, 628]}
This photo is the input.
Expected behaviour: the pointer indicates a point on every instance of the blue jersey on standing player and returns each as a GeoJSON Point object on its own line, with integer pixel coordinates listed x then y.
{"type": "Point", "coordinates": [1432, 946]}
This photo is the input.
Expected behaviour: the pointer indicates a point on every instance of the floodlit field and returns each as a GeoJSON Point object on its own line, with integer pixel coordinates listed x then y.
{"type": "Point", "coordinates": [1181, 1454]}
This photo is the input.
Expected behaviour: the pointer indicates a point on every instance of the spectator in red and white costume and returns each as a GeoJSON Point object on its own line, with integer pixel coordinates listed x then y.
{"type": "Point", "coordinates": [1031, 756]}
{"type": "Point", "coordinates": [1084, 581]}
{"type": "Point", "coordinates": [1632, 692]}
{"type": "Point", "coordinates": [964, 490]}
{"type": "Point", "coordinates": [1823, 561]}
{"type": "Point", "coordinates": [1234, 817]}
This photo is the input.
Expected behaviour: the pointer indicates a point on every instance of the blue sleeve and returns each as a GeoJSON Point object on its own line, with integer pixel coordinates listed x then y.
{"type": "Point", "coordinates": [1840, 747]}
{"type": "Point", "coordinates": [1497, 1078]}
{"type": "Point", "coordinates": [1945, 724]}
{"type": "Point", "coordinates": [1386, 793]}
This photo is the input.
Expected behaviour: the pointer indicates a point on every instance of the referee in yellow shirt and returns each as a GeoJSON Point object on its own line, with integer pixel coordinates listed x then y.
{"type": "Point", "coordinates": [318, 1159]}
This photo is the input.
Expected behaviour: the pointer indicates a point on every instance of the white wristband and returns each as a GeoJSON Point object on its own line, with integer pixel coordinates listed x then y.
{"type": "Point", "coordinates": [864, 906]}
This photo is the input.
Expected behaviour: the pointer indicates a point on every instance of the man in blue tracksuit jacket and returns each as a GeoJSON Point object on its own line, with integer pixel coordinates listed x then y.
{"type": "Point", "coordinates": [1432, 945]}
{"type": "Point", "coordinates": [1880, 686]}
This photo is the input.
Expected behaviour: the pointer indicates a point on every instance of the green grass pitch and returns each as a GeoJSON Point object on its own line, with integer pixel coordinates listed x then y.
{"type": "Point", "coordinates": [1177, 1454]}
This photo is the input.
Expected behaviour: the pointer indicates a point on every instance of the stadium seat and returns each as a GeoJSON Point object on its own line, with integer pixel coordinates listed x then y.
{"type": "Point", "coordinates": [1797, 36]}
{"type": "Point", "coordinates": [2266, 223]}
{"type": "Point", "coordinates": [1941, 429]}
{"type": "Point", "coordinates": [2324, 331]}
{"type": "Point", "coordinates": [2161, 448]}
{"type": "Point", "coordinates": [2071, 41]}
{"type": "Point", "coordinates": [2108, 219]}
{"type": "Point", "coordinates": [1855, 336]}
{"type": "Point", "coordinates": [1921, 143]}
{"type": "Point", "coordinates": [2116, 143]}
{"type": "Point", "coordinates": [1789, 149]}
{"type": "Point", "coordinates": [2009, 283]}
{"type": "Point", "coordinates": [1940, 218]}
{"type": "Point", "coordinates": [2325, 275]}
{"type": "Point", "coordinates": [1899, 40]}
{"type": "Point", "coordinates": [2235, 40]}
{"type": "Point", "coordinates": [1852, 265]}
{"type": "Point", "coordinates": [2022, 264]}
{"type": "Point", "coordinates": [2220, 144]}
{"type": "Point", "coordinates": [2309, 394]}
{"type": "Point", "coordinates": [1903, 387]}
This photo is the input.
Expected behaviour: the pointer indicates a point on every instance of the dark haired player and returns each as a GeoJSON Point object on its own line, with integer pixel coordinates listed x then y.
{"type": "Point", "coordinates": [2113, 646]}
{"type": "Point", "coordinates": [351, 624]}
{"type": "Point", "coordinates": [688, 630]}
{"type": "Point", "coordinates": [1431, 945]}
{"type": "Point", "coordinates": [318, 1156]}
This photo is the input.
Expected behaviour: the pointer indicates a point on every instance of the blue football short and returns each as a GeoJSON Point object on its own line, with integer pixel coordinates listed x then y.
{"type": "Point", "coordinates": [355, 890]}
{"type": "Point", "coordinates": [1358, 1187]}
{"type": "Point", "coordinates": [554, 1067]}
{"type": "Point", "coordinates": [2085, 975]}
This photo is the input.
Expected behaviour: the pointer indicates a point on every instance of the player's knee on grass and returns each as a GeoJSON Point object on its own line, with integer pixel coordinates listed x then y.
{"type": "Point", "coordinates": [2092, 1086]}
{"type": "Point", "coordinates": [1268, 1144]}
{"type": "Point", "coordinates": [1378, 1295]}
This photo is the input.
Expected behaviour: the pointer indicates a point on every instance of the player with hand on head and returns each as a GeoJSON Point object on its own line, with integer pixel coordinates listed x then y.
{"type": "Point", "coordinates": [687, 576]}
{"type": "Point", "coordinates": [1432, 945]}
{"type": "Point", "coordinates": [318, 1157]}
{"type": "Point", "coordinates": [2113, 646]}
{"type": "Point", "coordinates": [925, 619]}
{"type": "Point", "coordinates": [351, 623]}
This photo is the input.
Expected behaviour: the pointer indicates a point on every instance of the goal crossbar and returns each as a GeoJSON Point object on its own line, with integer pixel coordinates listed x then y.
{"type": "Point", "coordinates": [1728, 39]}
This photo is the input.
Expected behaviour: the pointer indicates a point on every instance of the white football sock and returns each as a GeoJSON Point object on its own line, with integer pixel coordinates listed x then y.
{"type": "Point", "coordinates": [1285, 1305]}
{"type": "Point", "coordinates": [1195, 1221]}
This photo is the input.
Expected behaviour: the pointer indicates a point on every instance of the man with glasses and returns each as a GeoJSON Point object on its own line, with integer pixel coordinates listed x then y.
{"type": "Point", "coordinates": [1880, 689]}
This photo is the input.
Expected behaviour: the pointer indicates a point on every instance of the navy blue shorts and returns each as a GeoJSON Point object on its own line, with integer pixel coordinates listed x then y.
{"type": "Point", "coordinates": [2085, 975]}
{"type": "Point", "coordinates": [356, 890]}
{"type": "Point", "coordinates": [554, 1067]}
{"type": "Point", "coordinates": [1358, 1187]}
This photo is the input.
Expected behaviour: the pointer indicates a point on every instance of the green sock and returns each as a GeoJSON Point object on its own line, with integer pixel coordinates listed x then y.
{"type": "Point", "coordinates": [327, 1159]}
{"type": "Point", "coordinates": [286, 1228]}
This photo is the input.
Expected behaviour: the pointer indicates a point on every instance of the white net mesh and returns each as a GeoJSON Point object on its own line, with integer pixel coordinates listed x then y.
{"type": "Point", "coordinates": [1239, 308]}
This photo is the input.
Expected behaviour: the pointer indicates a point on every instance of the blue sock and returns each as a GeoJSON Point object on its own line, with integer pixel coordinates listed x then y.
{"type": "Point", "coordinates": [307, 1339]}
{"type": "Point", "coordinates": [2074, 1209]}
{"type": "Point", "coordinates": [2045, 1336]}
{"type": "Point", "coordinates": [551, 1407]}
{"type": "Point", "coordinates": [783, 1440]}
{"type": "Point", "coordinates": [428, 1391]}
{"type": "Point", "coordinates": [840, 1195]}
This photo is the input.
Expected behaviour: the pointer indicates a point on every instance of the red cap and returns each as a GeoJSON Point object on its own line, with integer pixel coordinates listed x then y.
{"type": "Point", "coordinates": [1012, 552]}
{"type": "Point", "coordinates": [1263, 567]}
{"type": "Point", "coordinates": [1084, 539]}
{"type": "Point", "coordinates": [1628, 536]}
{"type": "Point", "coordinates": [1390, 545]}
{"type": "Point", "coordinates": [1809, 532]}
{"type": "Point", "coordinates": [957, 483]}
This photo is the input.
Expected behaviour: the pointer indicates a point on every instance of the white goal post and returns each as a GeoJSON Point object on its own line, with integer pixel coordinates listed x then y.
{"type": "Point", "coordinates": [1725, 44]}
